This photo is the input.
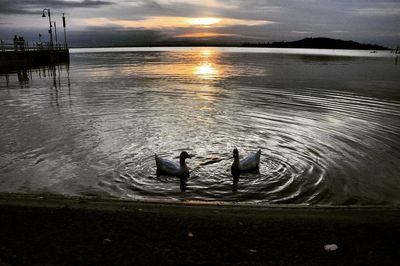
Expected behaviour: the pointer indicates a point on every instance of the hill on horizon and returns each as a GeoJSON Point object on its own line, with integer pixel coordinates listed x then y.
{"type": "Point", "coordinates": [319, 43]}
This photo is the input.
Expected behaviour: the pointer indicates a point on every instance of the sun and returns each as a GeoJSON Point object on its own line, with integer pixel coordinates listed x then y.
{"type": "Point", "coordinates": [204, 21]}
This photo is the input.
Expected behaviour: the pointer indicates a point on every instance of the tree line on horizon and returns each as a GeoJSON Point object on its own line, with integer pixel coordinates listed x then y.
{"type": "Point", "coordinates": [318, 43]}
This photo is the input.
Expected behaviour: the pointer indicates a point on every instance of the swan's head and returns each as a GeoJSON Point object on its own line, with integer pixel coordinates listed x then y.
{"type": "Point", "coordinates": [235, 153]}
{"type": "Point", "coordinates": [184, 155]}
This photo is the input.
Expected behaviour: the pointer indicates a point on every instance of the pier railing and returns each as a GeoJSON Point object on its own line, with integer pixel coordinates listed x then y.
{"type": "Point", "coordinates": [21, 54]}
{"type": "Point", "coordinates": [20, 46]}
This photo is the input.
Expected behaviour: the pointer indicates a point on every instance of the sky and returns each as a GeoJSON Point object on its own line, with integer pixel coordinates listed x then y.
{"type": "Point", "coordinates": [141, 22]}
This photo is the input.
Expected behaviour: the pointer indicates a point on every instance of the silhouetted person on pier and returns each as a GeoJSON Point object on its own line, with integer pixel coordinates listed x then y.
{"type": "Point", "coordinates": [21, 43]}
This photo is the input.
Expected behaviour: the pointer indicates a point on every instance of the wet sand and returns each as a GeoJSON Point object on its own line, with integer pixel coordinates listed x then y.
{"type": "Point", "coordinates": [49, 230]}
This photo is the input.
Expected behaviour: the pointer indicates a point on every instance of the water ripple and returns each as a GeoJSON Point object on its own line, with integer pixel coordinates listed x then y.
{"type": "Point", "coordinates": [325, 138]}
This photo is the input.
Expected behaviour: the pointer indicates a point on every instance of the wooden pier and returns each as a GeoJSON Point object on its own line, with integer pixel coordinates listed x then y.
{"type": "Point", "coordinates": [21, 55]}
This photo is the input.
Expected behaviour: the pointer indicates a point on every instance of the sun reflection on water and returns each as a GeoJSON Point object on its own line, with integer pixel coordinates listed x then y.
{"type": "Point", "coordinates": [205, 70]}
{"type": "Point", "coordinates": [201, 63]}
{"type": "Point", "coordinates": [206, 67]}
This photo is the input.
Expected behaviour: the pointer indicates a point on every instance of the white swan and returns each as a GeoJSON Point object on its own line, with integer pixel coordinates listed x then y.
{"type": "Point", "coordinates": [249, 164]}
{"type": "Point", "coordinates": [169, 168]}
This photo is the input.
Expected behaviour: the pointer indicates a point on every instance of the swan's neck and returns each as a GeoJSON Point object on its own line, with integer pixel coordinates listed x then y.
{"type": "Point", "coordinates": [182, 161]}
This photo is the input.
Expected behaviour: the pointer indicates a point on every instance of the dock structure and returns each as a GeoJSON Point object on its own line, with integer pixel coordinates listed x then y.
{"type": "Point", "coordinates": [22, 54]}
{"type": "Point", "coordinates": [18, 53]}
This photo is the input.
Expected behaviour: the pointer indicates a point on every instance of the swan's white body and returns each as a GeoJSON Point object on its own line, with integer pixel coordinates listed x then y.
{"type": "Point", "coordinates": [251, 162]}
{"type": "Point", "coordinates": [170, 168]}
{"type": "Point", "coordinates": [248, 164]}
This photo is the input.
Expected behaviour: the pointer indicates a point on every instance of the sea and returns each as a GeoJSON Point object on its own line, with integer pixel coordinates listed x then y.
{"type": "Point", "coordinates": [327, 123]}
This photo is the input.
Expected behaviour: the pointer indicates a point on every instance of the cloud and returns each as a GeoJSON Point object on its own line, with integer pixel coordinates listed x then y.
{"type": "Point", "coordinates": [160, 22]}
{"type": "Point", "coordinates": [264, 20]}
{"type": "Point", "coordinates": [191, 8]}
{"type": "Point", "coordinates": [378, 11]}
{"type": "Point", "coordinates": [33, 7]}
{"type": "Point", "coordinates": [203, 35]}
{"type": "Point", "coordinates": [301, 32]}
{"type": "Point", "coordinates": [108, 36]}
{"type": "Point", "coordinates": [338, 31]}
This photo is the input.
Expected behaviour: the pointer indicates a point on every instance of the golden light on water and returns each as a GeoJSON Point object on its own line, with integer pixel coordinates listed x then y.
{"type": "Point", "coordinates": [201, 63]}
{"type": "Point", "coordinates": [206, 66]}
{"type": "Point", "coordinates": [205, 53]}
{"type": "Point", "coordinates": [205, 70]}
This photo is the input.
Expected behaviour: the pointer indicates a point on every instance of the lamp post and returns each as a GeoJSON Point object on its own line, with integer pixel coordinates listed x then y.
{"type": "Point", "coordinates": [55, 31]}
{"type": "Point", "coordinates": [43, 16]}
{"type": "Point", "coordinates": [65, 34]}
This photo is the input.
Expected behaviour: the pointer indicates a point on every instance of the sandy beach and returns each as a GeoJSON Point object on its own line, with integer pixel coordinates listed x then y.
{"type": "Point", "coordinates": [49, 230]}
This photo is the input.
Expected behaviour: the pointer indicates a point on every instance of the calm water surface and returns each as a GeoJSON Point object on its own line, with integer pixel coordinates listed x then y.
{"type": "Point", "coordinates": [327, 122]}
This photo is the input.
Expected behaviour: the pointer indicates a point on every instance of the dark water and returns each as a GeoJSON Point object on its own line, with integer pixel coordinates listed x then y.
{"type": "Point", "coordinates": [327, 123]}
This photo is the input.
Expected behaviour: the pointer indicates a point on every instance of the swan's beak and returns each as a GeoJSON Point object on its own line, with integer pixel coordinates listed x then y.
{"type": "Point", "coordinates": [189, 157]}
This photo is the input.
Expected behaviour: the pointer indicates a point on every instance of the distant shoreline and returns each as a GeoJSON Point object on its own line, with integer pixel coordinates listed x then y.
{"type": "Point", "coordinates": [319, 43]}
{"type": "Point", "coordinates": [221, 46]}
{"type": "Point", "coordinates": [307, 43]}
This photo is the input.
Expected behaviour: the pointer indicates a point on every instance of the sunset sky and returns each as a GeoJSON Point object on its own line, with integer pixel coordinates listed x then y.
{"type": "Point", "coordinates": [108, 21]}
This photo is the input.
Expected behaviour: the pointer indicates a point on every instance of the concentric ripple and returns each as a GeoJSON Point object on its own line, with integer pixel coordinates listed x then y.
{"type": "Point", "coordinates": [327, 126]}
